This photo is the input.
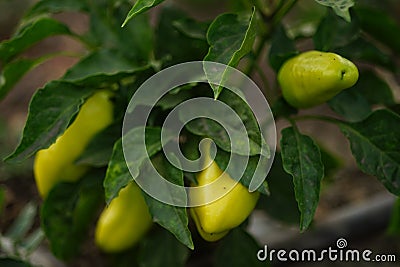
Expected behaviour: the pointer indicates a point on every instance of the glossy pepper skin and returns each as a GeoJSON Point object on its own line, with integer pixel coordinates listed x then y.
{"type": "Point", "coordinates": [124, 222]}
{"type": "Point", "coordinates": [311, 78]}
{"type": "Point", "coordinates": [214, 220]}
{"type": "Point", "coordinates": [56, 163]}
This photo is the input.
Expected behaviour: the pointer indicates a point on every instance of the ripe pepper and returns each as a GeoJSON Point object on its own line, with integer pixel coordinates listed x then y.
{"type": "Point", "coordinates": [311, 78]}
{"type": "Point", "coordinates": [214, 220]}
{"type": "Point", "coordinates": [124, 222]}
{"type": "Point", "coordinates": [56, 163]}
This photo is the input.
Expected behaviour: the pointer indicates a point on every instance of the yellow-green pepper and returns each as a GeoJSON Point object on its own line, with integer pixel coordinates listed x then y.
{"type": "Point", "coordinates": [57, 163]}
{"type": "Point", "coordinates": [214, 220]}
{"type": "Point", "coordinates": [124, 222]}
{"type": "Point", "coordinates": [311, 78]}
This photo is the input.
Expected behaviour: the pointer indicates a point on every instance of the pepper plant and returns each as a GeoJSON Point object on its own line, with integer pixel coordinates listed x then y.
{"type": "Point", "coordinates": [127, 42]}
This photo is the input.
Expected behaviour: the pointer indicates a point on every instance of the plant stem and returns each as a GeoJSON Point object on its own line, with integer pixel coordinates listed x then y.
{"type": "Point", "coordinates": [318, 117]}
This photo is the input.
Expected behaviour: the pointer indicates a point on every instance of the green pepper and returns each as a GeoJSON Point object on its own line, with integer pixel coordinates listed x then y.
{"type": "Point", "coordinates": [312, 78]}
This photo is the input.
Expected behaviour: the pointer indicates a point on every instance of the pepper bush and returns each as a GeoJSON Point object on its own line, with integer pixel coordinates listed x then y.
{"type": "Point", "coordinates": [126, 43]}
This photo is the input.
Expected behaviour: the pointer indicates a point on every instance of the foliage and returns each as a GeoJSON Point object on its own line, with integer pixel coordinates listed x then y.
{"type": "Point", "coordinates": [122, 58]}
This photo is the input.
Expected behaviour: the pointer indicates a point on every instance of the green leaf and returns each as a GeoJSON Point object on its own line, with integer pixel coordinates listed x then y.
{"type": "Point", "coordinates": [302, 159]}
{"type": "Point", "coordinates": [281, 203]}
{"type": "Point", "coordinates": [160, 248]}
{"type": "Point", "coordinates": [170, 39]}
{"type": "Point", "coordinates": [172, 218]}
{"type": "Point", "coordinates": [68, 212]}
{"type": "Point", "coordinates": [374, 89]}
{"type": "Point", "coordinates": [210, 128]}
{"type": "Point", "coordinates": [99, 150]}
{"type": "Point", "coordinates": [375, 144]}
{"type": "Point", "coordinates": [140, 6]}
{"type": "Point", "coordinates": [50, 112]}
{"type": "Point", "coordinates": [364, 50]}
{"type": "Point", "coordinates": [118, 174]}
{"type": "Point", "coordinates": [237, 249]}
{"type": "Point", "coordinates": [380, 25]}
{"type": "Point", "coordinates": [341, 7]}
{"type": "Point", "coordinates": [23, 223]}
{"type": "Point", "coordinates": [281, 108]}
{"type": "Point", "coordinates": [102, 66]}
{"type": "Point", "coordinates": [51, 6]}
{"type": "Point", "coordinates": [9, 262]}
{"type": "Point", "coordinates": [282, 48]}
{"type": "Point", "coordinates": [334, 32]}
{"type": "Point", "coordinates": [230, 37]}
{"type": "Point", "coordinates": [29, 35]}
{"type": "Point", "coordinates": [351, 104]}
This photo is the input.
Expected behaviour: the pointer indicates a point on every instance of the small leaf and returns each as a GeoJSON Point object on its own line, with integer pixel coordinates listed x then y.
{"type": "Point", "coordinates": [99, 150]}
{"type": "Point", "coordinates": [169, 252]}
{"type": "Point", "coordinates": [230, 37]}
{"type": "Point", "coordinates": [172, 218]}
{"type": "Point", "coordinates": [375, 144]}
{"type": "Point", "coordinates": [302, 159]}
{"type": "Point", "coordinates": [29, 35]}
{"type": "Point", "coordinates": [282, 48]}
{"type": "Point", "coordinates": [50, 112]}
{"type": "Point", "coordinates": [68, 212]}
{"type": "Point", "coordinates": [350, 104]}
{"type": "Point", "coordinates": [341, 7]}
{"type": "Point", "coordinates": [118, 174]}
{"type": "Point", "coordinates": [140, 6]}
{"type": "Point", "coordinates": [333, 32]}
{"type": "Point", "coordinates": [237, 249]}
{"type": "Point", "coordinates": [281, 203]}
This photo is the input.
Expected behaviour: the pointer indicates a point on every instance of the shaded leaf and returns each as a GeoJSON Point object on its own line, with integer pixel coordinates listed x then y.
{"type": "Point", "coordinates": [302, 159]}
{"type": "Point", "coordinates": [50, 112]}
{"type": "Point", "coordinates": [350, 104]}
{"type": "Point", "coordinates": [169, 252]}
{"type": "Point", "coordinates": [333, 32]}
{"type": "Point", "coordinates": [375, 144]}
{"type": "Point", "coordinates": [237, 249]}
{"type": "Point", "coordinates": [281, 203]}
{"type": "Point", "coordinates": [168, 36]}
{"type": "Point", "coordinates": [282, 48]}
{"type": "Point", "coordinates": [68, 212]}
{"type": "Point", "coordinates": [380, 25]}
{"type": "Point", "coordinates": [192, 28]}
{"type": "Point", "coordinates": [9, 262]}
{"type": "Point", "coordinates": [99, 150]}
